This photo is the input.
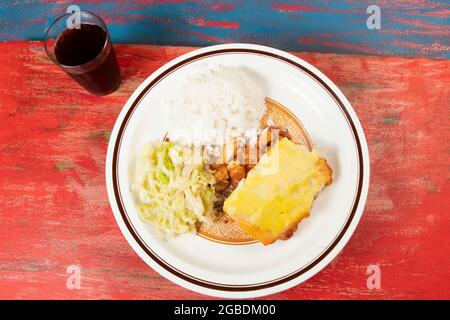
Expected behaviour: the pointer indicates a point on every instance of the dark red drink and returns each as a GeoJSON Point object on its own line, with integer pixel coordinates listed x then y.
{"type": "Point", "coordinates": [85, 52]}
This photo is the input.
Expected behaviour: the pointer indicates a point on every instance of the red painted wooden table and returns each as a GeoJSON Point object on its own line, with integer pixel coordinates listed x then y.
{"type": "Point", "coordinates": [54, 210]}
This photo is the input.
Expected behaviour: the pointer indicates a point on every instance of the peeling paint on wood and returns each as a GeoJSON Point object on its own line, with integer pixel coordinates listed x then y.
{"type": "Point", "coordinates": [408, 28]}
{"type": "Point", "coordinates": [54, 209]}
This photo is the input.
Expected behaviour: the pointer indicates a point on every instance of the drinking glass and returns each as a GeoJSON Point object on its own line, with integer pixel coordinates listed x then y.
{"type": "Point", "coordinates": [84, 50]}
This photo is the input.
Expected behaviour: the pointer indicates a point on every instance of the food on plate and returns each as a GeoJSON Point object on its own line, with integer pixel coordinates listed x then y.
{"type": "Point", "coordinates": [278, 192]}
{"type": "Point", "coordinates": [234, 166]}
{"type": "Point", "coordinates": [244, 157]}
{"type": "Point", "coordinates": [215, 105]}
{"type": "Point", "coordinates": [174, 188]}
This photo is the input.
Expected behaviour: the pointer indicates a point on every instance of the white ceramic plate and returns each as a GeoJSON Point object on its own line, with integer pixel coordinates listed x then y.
{"type": "Point", "coordinates": [250, 270]}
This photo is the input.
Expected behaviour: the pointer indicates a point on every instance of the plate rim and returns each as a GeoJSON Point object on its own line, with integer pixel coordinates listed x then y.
{"type": "Point", "coordinates": [319, 263]}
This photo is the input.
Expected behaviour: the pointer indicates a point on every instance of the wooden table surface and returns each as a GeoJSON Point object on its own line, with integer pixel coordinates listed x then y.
{"type": "Point", "coordinates": [54, 210]}
{"type": "Point", "coordinates": [408, 28]}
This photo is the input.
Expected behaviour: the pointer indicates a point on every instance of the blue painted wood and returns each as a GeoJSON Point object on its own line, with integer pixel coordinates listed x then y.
{"type": "Point", "coordinates": [408, 27]}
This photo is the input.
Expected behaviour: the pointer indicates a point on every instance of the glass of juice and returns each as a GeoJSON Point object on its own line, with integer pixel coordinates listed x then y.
{"type": "Point", "coordinates": [84, 51]}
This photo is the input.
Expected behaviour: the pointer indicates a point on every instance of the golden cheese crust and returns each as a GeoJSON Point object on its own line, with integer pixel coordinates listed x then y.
{"type": "Point", "coordinates": [271, 207]}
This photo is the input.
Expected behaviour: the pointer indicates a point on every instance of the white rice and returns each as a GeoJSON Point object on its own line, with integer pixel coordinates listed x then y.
{"type": "Point", "coordinates": [215, 104]}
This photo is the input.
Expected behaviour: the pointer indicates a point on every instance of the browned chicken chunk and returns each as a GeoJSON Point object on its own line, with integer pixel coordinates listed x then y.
{"type": "Point", "coordinates": [237, 172]}
{"type": "Point", "coordinates": [221, 174]}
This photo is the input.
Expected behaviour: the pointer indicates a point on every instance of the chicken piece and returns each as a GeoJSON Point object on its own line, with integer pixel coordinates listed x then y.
{"type": "Point", "coordinates": [221, 174]}
{"type": "Point", "coordinates": [221, 187]}
{"type": "Point", "coordinates": [236, 172]}
{"type": "Point", "coordinates": [215, 166]}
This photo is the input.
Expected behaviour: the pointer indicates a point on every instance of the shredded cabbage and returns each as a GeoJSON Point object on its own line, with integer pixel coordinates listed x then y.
{"type": "Point", "coordinates": [174, 187]}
